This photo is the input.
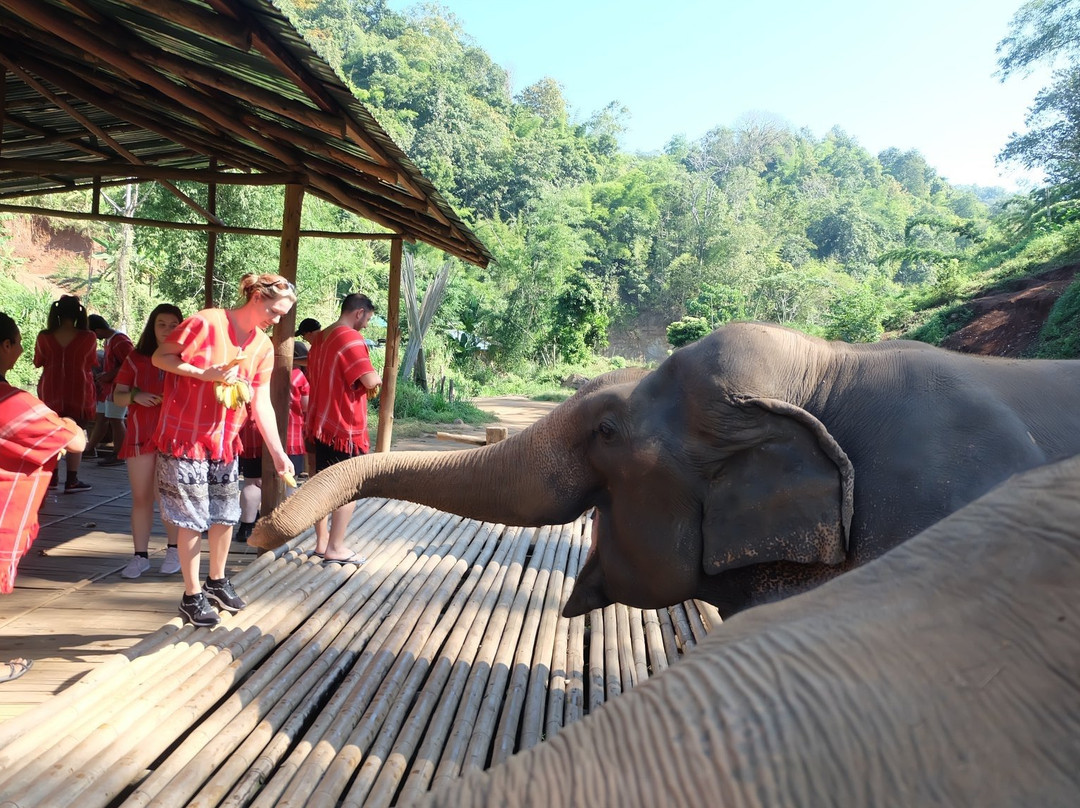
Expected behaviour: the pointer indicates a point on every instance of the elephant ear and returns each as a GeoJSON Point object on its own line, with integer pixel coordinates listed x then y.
{"type": "Point", "coordinates": [787, 497]}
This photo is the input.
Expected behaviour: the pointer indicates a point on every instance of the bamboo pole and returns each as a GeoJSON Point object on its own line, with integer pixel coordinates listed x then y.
{"type": "Point", "coordinates": [557, 693]}
{"type": "Point", "coordinates": [697, 626]}
{"type": "Point", "coordinates": [386, 716]}
{"type": "Point", "coordinates": [654, 641]}
{"type": "Point", "coordinates": [613, 683]}
{"type": "Point", "coordinates": [257, 759]}
{"type": "Point", "coordinates": [639, 652]}
{"type": "Point", "coordinates": [305, 660]}
{"type": "Point", "coordinates": [513, 703]}
{"type": "Point", "coordinates": [430, 719]}
{"type": "Point", "coordinates": [390, 364]}
{"type": "Point", "coordinates": [627, 667]}
{"type": "Point", "coordinates": [402, 652]}
{"type": "Point", "coordinates": [667, 631]}
{"type": "Point", "coordinates": [681, 622]}
{"type": "Point", "coordinates": [486, 714]}
{"type": "Point", "coordinates": [443, 751]}
{"type": "Point", "coordinates": [710, 615]}
{"type": "Point", "coordinates": [597, 689]}
{"type": "Point", "coordinates": [404, 726]}
{"type": "Point", "coordinates": [575, 646]}
{"type": "Point", "coordinates": [546, 655]}
{"type": "Point", "coordinates": [305, 766]}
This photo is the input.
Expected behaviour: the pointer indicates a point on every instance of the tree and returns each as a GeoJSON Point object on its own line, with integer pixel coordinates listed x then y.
{"type": "Point", "coordinates": [687, 330]}
{"type": "Point", "coordinates": [1048, 32]}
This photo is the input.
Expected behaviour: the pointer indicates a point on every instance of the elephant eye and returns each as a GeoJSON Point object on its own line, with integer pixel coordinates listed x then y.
{"type": "Point", "coordinates": [605, 430]}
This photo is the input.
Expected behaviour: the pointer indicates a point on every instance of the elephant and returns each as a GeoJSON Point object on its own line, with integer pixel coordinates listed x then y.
{"type": "Point", "coordinates": [749, 466]}
{"type": "Point", "coordinates": [946, 672]}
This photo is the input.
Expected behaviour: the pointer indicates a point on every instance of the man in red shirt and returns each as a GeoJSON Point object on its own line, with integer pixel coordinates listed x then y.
{"type": "Point", "coordinates": [342, 377]}
{"type": "Point", "coordinates": [117, 347]}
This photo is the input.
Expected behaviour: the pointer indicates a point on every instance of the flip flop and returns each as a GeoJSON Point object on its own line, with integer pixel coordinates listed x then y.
{"type": "Point", "coordinates": [16, 668]}
{"type": "Point", "coordinates": [355, 558]}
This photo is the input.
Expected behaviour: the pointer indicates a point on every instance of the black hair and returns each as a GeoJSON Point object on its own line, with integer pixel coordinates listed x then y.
{"type": "Point", "coordinates": [355, 301]}
{"type": "Point", "coordinates": [68, 307]}
{"type": "Point", "coordinates": [9, 329]}
{"type": "Point", "coordinates": [148, 343]}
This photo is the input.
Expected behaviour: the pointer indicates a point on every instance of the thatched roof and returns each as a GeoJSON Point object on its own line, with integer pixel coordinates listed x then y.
{"type": "Point", "coordinates": [109, 91]}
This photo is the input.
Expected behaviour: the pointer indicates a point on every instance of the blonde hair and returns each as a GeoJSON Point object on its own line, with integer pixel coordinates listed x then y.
{"type": "Point", "coordinates": [269, 285]}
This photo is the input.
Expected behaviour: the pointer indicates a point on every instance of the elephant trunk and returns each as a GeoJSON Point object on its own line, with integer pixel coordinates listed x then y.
{"type": "Point", "coordinates": [519, 481]}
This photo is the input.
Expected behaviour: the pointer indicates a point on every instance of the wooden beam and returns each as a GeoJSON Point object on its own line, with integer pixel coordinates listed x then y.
{"type": "Point", "coordinates": [211, 246]}
{"type": "Point", "coordinates": [195, 227]}
{"type": "Point", "coordinates": [96, 45]}
{"type": "Point", "coordinates": [273, 488]}
{"type": "Point", "coordinates": [393, 340]}
{"type": "Point", "coordinates": [143, 172]}
{"type": "Point", "coordinates": [193, 18]}
{"type": "Point", "coordinates": [92, 127]}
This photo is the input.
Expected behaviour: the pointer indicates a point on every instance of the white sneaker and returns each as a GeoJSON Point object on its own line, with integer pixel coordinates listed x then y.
{"type": "Point", "coordinates": [136, 567]}
{"type": "Point", "coordinates": [171, 564]}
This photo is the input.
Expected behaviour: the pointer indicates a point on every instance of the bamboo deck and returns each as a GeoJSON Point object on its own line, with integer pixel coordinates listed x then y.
{"type": "Point", "coordinates": [444, 652]}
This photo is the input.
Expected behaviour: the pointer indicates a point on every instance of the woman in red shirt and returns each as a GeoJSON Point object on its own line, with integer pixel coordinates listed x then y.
{"type": "Point", "coordinates": [138, 386]}
{"type": "Point", "coordinates": [198, 436]}
{"type": "Point", "coordinates": [66, 352]}
{"type": "Point", "coordinates": [31, 439]}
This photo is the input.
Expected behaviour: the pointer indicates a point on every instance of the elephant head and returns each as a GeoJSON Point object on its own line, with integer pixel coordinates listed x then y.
{"type": "Point", "coordinates": [698, 473]}
{"type": "Point", "coordinates": [945, 672]}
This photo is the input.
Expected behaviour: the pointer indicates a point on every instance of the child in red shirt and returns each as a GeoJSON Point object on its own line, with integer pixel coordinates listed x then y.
{"type": "Point", "coordinates": [66, 352]}
{"type": "Point", "coordinates": [198, 437]}
{"type": "Point", "coordinates": [139, 386]}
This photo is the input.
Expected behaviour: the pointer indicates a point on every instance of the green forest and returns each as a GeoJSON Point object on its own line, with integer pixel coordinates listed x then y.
{"type": "Point", "coordinates": [595, 247]}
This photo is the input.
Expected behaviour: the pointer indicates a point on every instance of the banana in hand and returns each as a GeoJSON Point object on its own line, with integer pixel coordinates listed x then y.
{"type": "Point", "coordinates": [289, 480]}
{"type": "Point", "coordinates": [233, 395]}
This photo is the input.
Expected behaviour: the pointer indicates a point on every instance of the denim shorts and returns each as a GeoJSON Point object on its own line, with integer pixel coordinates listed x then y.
{"type": "Point", "coordinates": [195, 494]}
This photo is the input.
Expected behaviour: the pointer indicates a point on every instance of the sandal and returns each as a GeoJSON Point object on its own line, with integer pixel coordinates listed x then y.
{"type": "Point", "coordinates": [355, 558]}
{"type": "Point", "coordinates": [15, 669]}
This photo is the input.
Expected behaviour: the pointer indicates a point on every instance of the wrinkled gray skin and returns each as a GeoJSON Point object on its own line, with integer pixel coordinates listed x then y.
{"type": "Point", "coordinates": [751, 465]}
{"type": "Point", "coordinates": [945, 673]}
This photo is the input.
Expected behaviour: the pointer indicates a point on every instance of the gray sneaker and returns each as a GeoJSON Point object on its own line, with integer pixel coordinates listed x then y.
{"type": "Point", "coordinates": [198, 611]}
{"type": "Point", "coordinates": [171, 563]}
{"type": "Point", "coordinates": [223, 595]}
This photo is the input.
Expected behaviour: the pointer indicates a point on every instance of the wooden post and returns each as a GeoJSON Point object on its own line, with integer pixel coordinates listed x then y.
{"type": "Point", "coordinates": [211, 245]}
{"type": "Point", "coordinates": [393, 343]}
{"type": "Point", "coordinates": [273, 488]}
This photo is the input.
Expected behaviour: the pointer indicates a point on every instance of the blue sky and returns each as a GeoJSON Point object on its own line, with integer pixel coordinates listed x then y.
{"type": "Point", "coordinates": [913, 75]}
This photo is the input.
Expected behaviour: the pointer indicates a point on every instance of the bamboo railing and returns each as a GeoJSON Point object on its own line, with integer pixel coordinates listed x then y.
{"type": "Point", "coordinates": [363, 685]}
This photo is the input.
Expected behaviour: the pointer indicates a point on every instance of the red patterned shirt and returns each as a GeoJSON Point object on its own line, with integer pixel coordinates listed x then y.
{"type": "Point", "coordinates": [139, 371]}
{"type": "Point", "coordinates": [117, 348]}
{"type": "Point", "coordinates": [294, 439]}
{"type": "Point", "coordinates": [251, 437]}
{"type": "Point", "coordinates": [192, 423]}
{"type": "Point", "coordinates": [67, 374]}
{"type": "Point", "coordinates": [337, 414]}
{"type": "Point", "coordinates": [31, 437]}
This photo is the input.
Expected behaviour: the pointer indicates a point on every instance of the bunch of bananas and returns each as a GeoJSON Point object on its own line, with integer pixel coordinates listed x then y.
{"type": "Point", "coordinates": [233, 394]}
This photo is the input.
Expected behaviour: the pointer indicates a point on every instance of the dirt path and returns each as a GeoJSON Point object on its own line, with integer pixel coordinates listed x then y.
{"type": "Point", "coordinates": [514, 412]}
